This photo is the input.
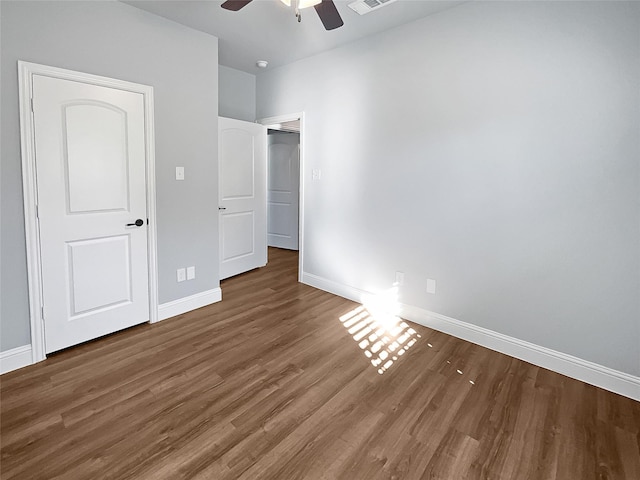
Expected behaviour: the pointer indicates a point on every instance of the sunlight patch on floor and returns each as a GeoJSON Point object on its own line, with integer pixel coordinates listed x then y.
{"type": "Point", "coordinates": [378, 330]}
{"type": "Point", "coordinates": [380, 333]}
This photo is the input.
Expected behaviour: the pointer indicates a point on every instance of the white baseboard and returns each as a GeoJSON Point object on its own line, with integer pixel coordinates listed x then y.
{"type": "Point", "coordinates": [186, 304]}
{"type": "Point", "coordinates": [15, 358]}
{"type": "Point", "coordinates": [344, 291]}
{"type": "Point", "coordinates": [22, 356]}
{"type": "Point", "coordinates": [574, 367]}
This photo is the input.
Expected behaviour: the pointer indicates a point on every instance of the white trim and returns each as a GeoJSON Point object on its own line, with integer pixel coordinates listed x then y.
{"type": "Point", "coordinates": [15, 358]}
{"type": "Point", "coordinates": [345, 291]}
{"type": "Point", "coordinates": [186, 304]}
{"type": "Point", "coordinates": [26, 71]}
{"type": "Point", "coordinates": [290, 118]}
{"type": "Point", "coordinates": [152, 231]}
{"type": "Point", "coordinates": [574, 367]}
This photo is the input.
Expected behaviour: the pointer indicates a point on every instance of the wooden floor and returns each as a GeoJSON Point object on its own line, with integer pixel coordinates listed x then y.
{"type": "Point", "coordinates": [283, 381]}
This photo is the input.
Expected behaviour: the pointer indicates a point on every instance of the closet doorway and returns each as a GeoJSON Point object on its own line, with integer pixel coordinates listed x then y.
{"type": "Point", "coordinates": [285, 172]}
{"type": "Point", "coordinates": [283, 187]}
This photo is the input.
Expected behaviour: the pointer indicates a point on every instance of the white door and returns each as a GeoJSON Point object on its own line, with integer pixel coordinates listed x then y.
{"type": "Point", "coordinates": [283, 190]}
{"type": "Point", "coordinates": [90, 168]}
{"type": "Point", "coordinates": [243, 196]}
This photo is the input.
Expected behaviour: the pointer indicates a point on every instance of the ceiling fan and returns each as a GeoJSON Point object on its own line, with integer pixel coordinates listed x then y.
{"type": "Point", "coordinates": [326, 10]}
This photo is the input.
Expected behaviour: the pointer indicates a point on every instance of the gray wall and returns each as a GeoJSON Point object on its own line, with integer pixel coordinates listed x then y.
{"type": "Point", "coordinates": [236, 94]}
{"type": "Point", "coordinates": [493, 147]}
{"type": "Point", "coordinates": [119, 41]}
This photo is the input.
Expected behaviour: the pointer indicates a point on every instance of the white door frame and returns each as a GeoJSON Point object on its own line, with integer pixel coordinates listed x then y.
{"type": "Point", "coordinates": [291, 118]}
{"type": "Point", "coordinates": [26, 71]}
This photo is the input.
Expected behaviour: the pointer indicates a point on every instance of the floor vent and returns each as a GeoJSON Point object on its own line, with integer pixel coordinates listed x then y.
{"type": "Point", "coordinates": [365, 6]}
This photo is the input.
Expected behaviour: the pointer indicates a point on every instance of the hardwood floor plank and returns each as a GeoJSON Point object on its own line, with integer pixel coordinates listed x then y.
{"type": "Point", "coordinates": [283, 381]}
{"type": "Point", "coordinates": [453, 457]}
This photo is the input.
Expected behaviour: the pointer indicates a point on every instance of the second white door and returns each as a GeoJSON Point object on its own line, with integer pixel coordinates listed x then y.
{"type": "Point", "coordinates": [242, 196]}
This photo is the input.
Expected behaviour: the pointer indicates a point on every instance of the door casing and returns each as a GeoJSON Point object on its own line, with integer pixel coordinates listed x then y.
{"type": "Point", "coordinates": [26, 71]}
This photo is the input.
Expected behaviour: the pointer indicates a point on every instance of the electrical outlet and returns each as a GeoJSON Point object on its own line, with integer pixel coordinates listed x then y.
{"type": "Point", "coordinates": [181, 275]}
{"type": "Point", "coordinates": [399, 278]}
{"type": "Point", "coordinates": [179, 173]}
{"type": "Point", "coordinates": [316, 174]}
{"type": "Point", "coordinates": [431, 286]}
{"type": "Point", "coordinates": [191, 273]}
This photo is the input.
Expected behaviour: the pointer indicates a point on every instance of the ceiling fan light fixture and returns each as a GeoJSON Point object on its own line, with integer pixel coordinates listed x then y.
{"type": "Point", "coordinates": [326, 9]}
{"type": "Point", "coordinates": [302, 3]}
{"type": "Point", "coordinates": [308, 3]}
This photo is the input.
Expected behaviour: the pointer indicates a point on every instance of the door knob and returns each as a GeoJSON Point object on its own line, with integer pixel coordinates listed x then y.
{"type": "Point", "coordinates": [138, 223]}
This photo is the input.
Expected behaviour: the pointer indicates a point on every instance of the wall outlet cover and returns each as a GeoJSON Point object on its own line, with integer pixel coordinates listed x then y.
{"type": "Point", "coordinates": [191, 273]}
{"type": "Point", "coordinates": [181, 275]}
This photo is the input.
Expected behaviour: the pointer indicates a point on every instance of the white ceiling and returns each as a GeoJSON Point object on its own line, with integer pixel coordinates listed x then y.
{"type": "Point", "coordinates": [268, 30]}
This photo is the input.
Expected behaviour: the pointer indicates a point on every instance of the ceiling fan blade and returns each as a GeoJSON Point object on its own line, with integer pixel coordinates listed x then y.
{"type": "Point", "coordinates": [235, 5]}
{"type": "Point", "coordinates": [329, 15]}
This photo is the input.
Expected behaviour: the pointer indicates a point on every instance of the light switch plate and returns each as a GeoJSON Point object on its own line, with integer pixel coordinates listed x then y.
{"type": "Point", "coordinates": [191, 273]}
{"type": "Point", "coordinates": [179, 173]}
{"type": "Point", "coordinates": [431, 286]}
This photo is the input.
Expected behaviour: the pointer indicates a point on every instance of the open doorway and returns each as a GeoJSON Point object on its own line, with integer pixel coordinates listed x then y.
{"type": "Point", "coordinates": [284, 184]}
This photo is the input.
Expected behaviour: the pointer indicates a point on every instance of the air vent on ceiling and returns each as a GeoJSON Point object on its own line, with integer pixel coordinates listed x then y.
{"type": "Point", "coordinates": [365, 6]}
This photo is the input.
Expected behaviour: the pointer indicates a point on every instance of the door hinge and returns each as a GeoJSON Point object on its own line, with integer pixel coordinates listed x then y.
{"type": "Point", "coordinates": [37, 212]}
{"type": "Point", "coordinates": [42, 312]}
{"type": "Point", "coordinates": [32, 104]}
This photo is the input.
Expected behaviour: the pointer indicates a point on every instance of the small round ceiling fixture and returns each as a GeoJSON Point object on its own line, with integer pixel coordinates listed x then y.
{"type": "Point", "coordinates": [262, 64]}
